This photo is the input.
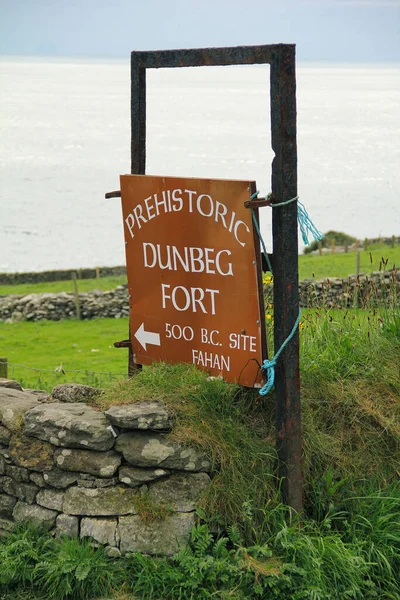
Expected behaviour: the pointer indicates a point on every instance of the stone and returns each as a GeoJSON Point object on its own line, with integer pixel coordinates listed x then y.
{"type": "Point", "coordinates": [102, 464]}
{"type": "Point", "coordinates": [13, 405]}
{"type": "Point", "coordinates": [60, 479]}
{"type": "Point", "coordinates": [34, 514]}
{"type": "Point", "coordinates": [180, 491]}
{"type": "Point", "coordinates": [52, 499]}
{"type": "Point", "coordinates": [152, 450]}
{"type": "Point", "coordinates": [7, 504]}
{"type": "Point", "coordinates": [23, 491]}
{"type": "Point", "coordinates": [112, 552]}
{"type": "Point", "coordinates": [104, 531]}
{"type": "Point", "coordinates": [10, 383]}
{"type": "Point", "coordinates": [165, 538]}
{"type": "Point", "coordinates": [4, 453]}
{"type": "Point", "coordinates": [74, 392]}
{"type": "Point", "coordinates": [102, 502]}
{"type": "Point", "coordinates": [5, 435]}
{"type": "Point", "coordinates": [17, 473]}
{"type": "Point", "coordinates": [97, 483]}
{"type": "Point", "coordinates": [143, 415]}
{"type": "Point", "coordinates": [135, 477]}
{"type": "Point", "coordinates": [67, 525]}
{"type": "Point", "coordinates": [69, 426]}
{"type": "Point", "coordinates": [6, 525]}
{"type": "Point", "coordinates": [3, 464]}
{"type": "Point", "coordinates": [37, 479]}
{"type": "Point", "coordinates": [31, 453]}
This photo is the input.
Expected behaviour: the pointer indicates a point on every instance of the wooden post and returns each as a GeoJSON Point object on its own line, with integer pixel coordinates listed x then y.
{"type": "Point", "coordinates": [356, 299]}
{"type": "Point", "coordinates": [333, 246]}
{"type": "Point", "coordinates": [320, 248]}
{"type": "Point", "coordinates": [3, 367]}
{"type": "Point", "coordinates": [393, 241]}
{"type": "Point", "coordinates": [76, 294]}
{"type": "Point", "coordinates": [366, 244]}
{"type": "Point", "coordinates": [97, 272]}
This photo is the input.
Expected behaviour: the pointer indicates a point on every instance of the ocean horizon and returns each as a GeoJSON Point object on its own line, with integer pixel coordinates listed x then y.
{"type": "Point", "coordinates": [65, 139]}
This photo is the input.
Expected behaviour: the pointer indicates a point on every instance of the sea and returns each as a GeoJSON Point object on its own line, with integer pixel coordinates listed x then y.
{"type": "Point", "coordinates": [65, 139]}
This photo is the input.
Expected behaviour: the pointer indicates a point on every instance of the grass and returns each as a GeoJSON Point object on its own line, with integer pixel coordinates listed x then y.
{"type": "Point", "coordinates": [349, 543]}
{"type": "Point", "coordinates": [247, 545]}
{"type": "Point", "coordinates": [54, 287]}
{"type": "Point", "coordinates": [65, 351]}
{"type": "Point", "coordinates": [352, 553]}
{"type": "Point", "coordinates": [342, 265]}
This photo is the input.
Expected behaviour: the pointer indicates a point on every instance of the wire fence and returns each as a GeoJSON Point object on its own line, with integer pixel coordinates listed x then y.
{"type": "Point", "coordinates": [45, 379]}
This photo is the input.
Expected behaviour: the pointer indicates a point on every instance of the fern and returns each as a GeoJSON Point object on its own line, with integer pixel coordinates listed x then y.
{"type": "Point", "coordinates": [219, 549]}
{"type": "Point", "coordinates": [82, 571]}
{"type": "Point", "coordinates": [234, 535]}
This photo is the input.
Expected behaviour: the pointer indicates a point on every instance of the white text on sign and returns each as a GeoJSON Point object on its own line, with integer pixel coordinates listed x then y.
{"type": "Point", "coordinates": [190, 201]}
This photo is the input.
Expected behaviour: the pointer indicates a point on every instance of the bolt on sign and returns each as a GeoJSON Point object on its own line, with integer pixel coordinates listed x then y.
{"type": "Point", "coordinates": [194, 275]}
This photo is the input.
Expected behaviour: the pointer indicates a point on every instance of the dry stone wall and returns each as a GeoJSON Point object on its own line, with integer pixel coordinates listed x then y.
{"type": "Point", "coordinates": [82, 472]}
{"type": "Point", "coordinates": [381, 288]}
{"type": "Point", "coordinates": [377, 288]}
{"type": "Point", "coordinates": [55, 307]}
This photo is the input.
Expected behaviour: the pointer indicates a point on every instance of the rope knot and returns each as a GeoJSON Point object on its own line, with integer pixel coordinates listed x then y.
{"type": "Point", "coordinates": [269, 367]}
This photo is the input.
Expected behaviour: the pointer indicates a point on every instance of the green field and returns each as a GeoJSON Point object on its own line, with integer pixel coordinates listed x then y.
{"type": "Point", "coordinates": [38, 352]}
{"type": "Point", "coordinates": [248, 546]}
{"type": "Point", "coordinates": [54, 287]}
{"type": "Point", "coordinates": [344, 264]}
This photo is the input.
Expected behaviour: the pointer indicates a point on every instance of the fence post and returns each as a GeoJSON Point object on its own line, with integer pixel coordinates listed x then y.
{"type": "Point", "coordinates": [333, 246]}
{"type": "Point", "coordinates": [97, 272]}
{"type": "Point", "coordinates": [76, 294]}
{"type": "Point", "coordinates": [356, 288]}
{"type": "Point", "coordinates": [320, 248]}
{"type": "Point", "coordinates": [3, 367]}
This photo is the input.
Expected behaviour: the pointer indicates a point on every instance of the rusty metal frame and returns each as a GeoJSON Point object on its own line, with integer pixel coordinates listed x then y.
{"type": "Point", "coordinates": [281, 58]}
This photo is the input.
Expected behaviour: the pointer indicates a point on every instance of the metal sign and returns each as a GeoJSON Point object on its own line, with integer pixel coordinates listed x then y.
{"type": "Point", "coordinates": [194, 275]}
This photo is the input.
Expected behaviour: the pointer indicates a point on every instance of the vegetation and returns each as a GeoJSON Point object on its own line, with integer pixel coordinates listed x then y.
{"type": "Point", "coordinates": [344, 264]}
{"type": "Point", "coordinates": [337, 238]}
{"type": "Point", "coordinates": [46, 353]}
{"type": "Point", "coordinates": [246, 545]}
{"type": "Point", "coordinates": [348, 554]}
{"type": "Point", "coordinates": [54, 287]}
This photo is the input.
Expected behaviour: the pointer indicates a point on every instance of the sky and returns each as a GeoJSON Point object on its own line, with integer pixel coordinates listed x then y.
{"type": "Point", "coordinates": [323, 30]}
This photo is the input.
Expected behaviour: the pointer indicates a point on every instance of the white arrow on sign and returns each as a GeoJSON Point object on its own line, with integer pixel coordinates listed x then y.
{"type": "Point", "coordinates": [147, 337]}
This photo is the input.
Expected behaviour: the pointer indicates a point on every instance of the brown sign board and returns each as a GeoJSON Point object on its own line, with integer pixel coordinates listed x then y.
{"type": "Point", "coordinates": [194, 275]}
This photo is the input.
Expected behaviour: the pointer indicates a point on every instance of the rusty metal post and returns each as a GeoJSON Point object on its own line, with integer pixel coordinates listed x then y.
{"type": "Point", "coordinates": [138, 141]}
{"type": "Point", "coordinates": [286, 288]}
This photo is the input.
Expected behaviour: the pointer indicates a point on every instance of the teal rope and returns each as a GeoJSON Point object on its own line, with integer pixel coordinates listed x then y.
{"type": "Point", "coordinates": [269, 365]}
{"type": "Point", "coordinates": [306, 225]}
{"type": "Point", "coordinates": [261, 240]}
